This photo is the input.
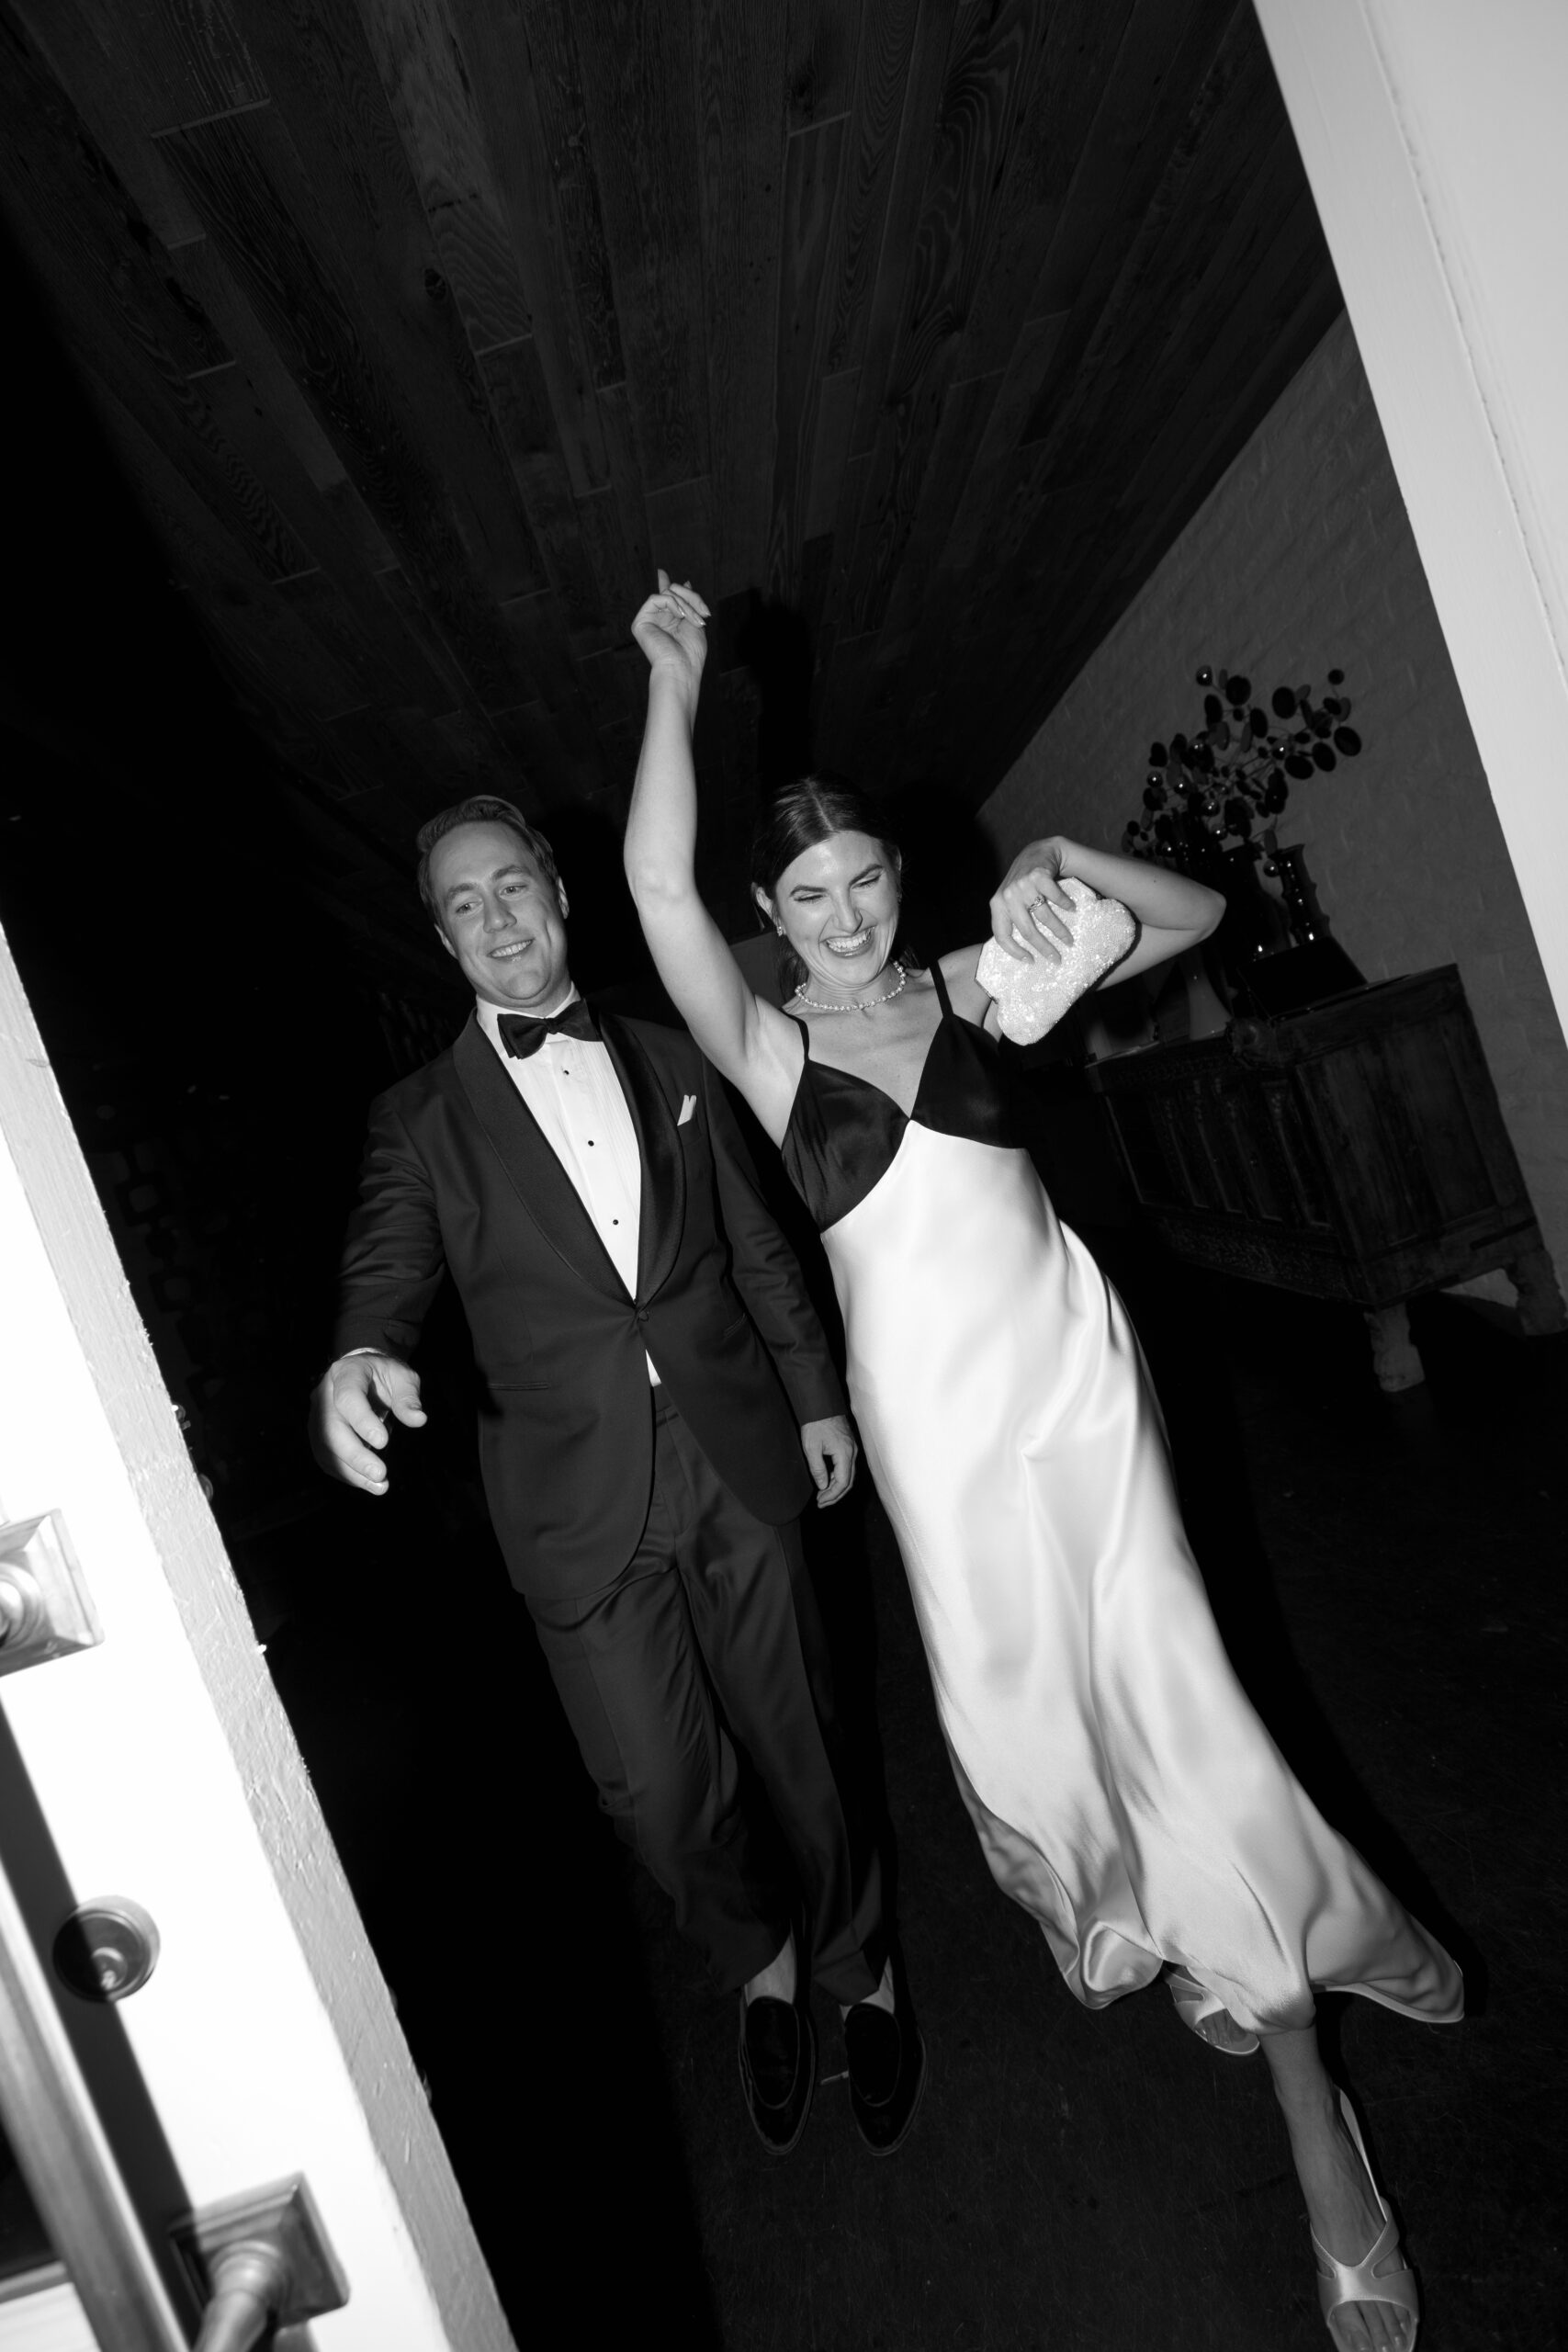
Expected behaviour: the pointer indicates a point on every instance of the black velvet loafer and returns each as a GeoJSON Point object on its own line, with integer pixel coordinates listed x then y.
{"type": "Point", "coordinates": [887, 2076]}
{"type": "Point", "coordinates": [778, 2070]}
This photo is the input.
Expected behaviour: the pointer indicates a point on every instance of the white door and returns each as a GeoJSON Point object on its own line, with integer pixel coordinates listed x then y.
{"type": "Point", "coordinates": [153, 1769]}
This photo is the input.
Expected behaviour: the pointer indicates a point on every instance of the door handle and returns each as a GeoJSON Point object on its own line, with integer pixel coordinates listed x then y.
{"type": "Point", "coordinates": [250, 2281]}
{"type": "Point", "coordinates": [250, 2286]}
{"type": "Point", "coordinates": [259, 2261]}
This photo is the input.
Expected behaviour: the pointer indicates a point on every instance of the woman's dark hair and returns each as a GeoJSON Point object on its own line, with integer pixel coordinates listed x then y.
{"type": "Point", "coordinates": [812, 810]}
{"type": "Point", "coordinates": [809, 810]}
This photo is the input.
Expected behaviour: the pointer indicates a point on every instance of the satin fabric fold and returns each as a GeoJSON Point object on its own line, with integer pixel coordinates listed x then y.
{"type": "Point", "coordinates": [1122, 1787]}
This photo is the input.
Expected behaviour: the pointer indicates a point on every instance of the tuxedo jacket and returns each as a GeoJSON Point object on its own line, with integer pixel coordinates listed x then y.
{"type": "Point", "coordinates": [459, 1176]}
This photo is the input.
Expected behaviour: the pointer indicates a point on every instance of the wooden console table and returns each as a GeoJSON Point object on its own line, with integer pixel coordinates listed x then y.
{"type": "Point", "coordinates": [1353, 1151]}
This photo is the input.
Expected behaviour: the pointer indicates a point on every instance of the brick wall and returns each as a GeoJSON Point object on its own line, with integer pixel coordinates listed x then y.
{"type": "Point", "coordinates": [1301, 560]}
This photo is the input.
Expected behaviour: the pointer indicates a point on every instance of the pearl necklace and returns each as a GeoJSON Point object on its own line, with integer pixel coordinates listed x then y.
{"type": "Point", "coordinates": [856, 1004]}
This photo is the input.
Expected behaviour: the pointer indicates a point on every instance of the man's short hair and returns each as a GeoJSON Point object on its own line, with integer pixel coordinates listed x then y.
{"type": "Point", "coordinates": [480, 809]}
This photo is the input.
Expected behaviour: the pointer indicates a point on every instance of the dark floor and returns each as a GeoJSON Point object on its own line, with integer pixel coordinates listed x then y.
{"type": "Point", "coordinates": [1389, 1575]}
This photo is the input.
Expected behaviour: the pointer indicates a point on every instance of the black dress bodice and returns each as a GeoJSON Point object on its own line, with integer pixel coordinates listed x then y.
{"type": "Point", "coordinates": [844, 1132]}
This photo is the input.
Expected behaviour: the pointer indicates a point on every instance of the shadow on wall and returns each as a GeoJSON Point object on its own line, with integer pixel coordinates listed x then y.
{"type": "Point", "coordinates": [607, 948]}
{"type": "Point", "coordinates": [950, 869]}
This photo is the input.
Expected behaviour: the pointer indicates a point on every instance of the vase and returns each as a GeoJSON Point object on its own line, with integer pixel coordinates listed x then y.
{"type": "Point", "coordinates": [1254, 923]}
{"type": "Point", "coordinates": [1304, 916]}
{"type": "Point", "coordinates": [1207, 1013]}
{"type": "Point", "coordinates": [1306, 965]}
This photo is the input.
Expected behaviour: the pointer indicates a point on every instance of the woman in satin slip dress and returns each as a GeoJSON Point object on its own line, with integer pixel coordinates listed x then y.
{"type": "Point", "coordinates": [1123, 1789]}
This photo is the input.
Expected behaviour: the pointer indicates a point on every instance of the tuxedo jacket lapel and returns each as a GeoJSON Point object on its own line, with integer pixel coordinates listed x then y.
{"type": "Point", "coordinates": [662, 1209]}
{"type": "Point", "coordinates": [542, 1185]}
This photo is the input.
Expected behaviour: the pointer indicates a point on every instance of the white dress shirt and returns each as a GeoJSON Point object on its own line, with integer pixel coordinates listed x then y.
{"type": "Point", "coordinates": [570, 1085]}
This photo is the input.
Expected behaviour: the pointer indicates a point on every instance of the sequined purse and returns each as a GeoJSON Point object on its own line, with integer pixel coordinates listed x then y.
{"type": "Point", "coordinates": [1032, 995]}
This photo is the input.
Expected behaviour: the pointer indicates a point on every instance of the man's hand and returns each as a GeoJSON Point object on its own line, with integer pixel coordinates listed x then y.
{"type": "Point", "coordinates": [348, 1411]}
{"type": "Point", "coordinates": [829, 1449]}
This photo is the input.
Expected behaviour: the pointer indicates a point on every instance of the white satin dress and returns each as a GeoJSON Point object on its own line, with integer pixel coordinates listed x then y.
{"type": "Point", "coordinates": [1122, 1787]}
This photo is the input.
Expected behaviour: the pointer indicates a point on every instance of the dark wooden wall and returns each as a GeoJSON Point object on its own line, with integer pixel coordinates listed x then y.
{"type": "Point", "coordinates": [912, 331]}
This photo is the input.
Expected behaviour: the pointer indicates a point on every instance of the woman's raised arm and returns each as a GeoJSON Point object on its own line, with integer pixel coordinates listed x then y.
{"type": "Point", "coordinates": [749, 1041]}
{"type": "Point", "coordinates": [1172, 911]}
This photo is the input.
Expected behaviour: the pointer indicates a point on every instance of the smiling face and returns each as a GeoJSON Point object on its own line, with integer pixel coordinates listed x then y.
{"type": "Point", "coordinates": [839, 905]}
{"type": "Point", "coordinates": [499, 917]}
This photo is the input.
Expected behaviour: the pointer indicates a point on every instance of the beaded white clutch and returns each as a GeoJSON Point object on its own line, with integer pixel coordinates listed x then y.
{"type": "Point", "coordinates": [1032, 995]}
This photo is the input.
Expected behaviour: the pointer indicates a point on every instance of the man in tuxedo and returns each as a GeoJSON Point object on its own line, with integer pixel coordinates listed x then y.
{"type": "Point", "coordinates": [657, 1403]}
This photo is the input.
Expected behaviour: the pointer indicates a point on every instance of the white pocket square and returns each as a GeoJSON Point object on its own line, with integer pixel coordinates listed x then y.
{"type": "Point", "coordinates": [688, 1105]}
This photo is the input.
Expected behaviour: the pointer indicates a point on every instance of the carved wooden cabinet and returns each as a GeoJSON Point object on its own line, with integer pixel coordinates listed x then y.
{"type": "Point", "coordinates": [1353, 1151]}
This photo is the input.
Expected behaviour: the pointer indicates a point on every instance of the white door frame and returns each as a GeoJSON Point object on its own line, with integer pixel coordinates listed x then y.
{"type": "Point", "coordinates": [265, 2041]}
{"type": "Point", "coordinates": [1432, 135]}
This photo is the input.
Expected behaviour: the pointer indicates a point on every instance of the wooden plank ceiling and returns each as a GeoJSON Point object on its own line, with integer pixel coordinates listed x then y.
{"type": "Point", "coordinates": [912, 331]}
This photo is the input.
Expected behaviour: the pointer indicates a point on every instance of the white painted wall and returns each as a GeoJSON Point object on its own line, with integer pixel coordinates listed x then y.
{"type": "Point", "coordinates": [1302, 560]}
{"type": "Point", "coordinates": [168, 1773]}
{"type": "Point", "coordinates": [1433, 136]}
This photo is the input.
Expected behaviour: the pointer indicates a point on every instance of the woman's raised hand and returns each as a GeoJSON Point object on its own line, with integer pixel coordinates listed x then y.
{"type": "Point", "coordinates": [670, 630]}
{"type": "Point", "coordinates": [1028, 901]}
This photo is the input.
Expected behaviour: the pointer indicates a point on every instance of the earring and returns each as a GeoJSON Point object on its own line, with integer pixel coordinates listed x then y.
{"type": "Point", "coordinates": [779, 928]}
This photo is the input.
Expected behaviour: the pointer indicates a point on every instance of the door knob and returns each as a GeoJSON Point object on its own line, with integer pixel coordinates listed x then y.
{"type": "Point", "coordinates": [21, 1607]}
{"type": "Point", "coordinates": [45, 1607]}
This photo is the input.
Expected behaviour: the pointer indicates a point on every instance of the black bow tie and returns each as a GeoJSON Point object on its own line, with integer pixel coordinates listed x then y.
{"type": "Point", "coordinates": [523, 1036]}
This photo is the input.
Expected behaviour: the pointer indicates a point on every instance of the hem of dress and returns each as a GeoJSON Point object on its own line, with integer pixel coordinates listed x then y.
{"type": "Point", "coordinates": [1387, 2001]}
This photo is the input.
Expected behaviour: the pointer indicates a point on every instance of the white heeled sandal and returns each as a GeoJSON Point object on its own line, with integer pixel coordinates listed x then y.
{"type": "Point", "coordinates": [1382, 2275]}
{"type": "Point", "coordinates": [1204, 2014]}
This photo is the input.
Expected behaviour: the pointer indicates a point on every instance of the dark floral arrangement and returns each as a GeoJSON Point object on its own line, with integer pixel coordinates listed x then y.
{"type": "Point", "coordinates": [1216, 790]}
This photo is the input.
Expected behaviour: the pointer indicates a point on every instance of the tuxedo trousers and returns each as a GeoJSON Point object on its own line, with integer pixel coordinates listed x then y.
{"type": "Point", "coordinates": [699, 1691]}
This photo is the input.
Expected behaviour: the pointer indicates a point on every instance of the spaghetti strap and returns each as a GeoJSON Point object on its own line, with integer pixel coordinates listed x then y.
{"type": "Point", "coordinates": [805, 1033]}
{"type": "Point", "coordinates": [942, 991]}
